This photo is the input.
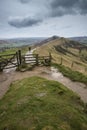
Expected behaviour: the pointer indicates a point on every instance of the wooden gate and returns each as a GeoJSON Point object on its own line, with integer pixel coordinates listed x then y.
{"type": "Point", "coordinates": [8, 61]}
{"type": "Point", "coordinates": [36, 59]}
{"type": "Point", "coordinates": [18, 59]}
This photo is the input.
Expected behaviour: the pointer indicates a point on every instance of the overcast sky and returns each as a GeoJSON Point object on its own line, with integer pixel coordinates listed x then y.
{"type": "Point", "coordinates": [42, 18]}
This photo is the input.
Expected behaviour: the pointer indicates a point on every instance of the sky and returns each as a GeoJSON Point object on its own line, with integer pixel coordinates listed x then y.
{"type": "Point", "coordinates": [43, 18]}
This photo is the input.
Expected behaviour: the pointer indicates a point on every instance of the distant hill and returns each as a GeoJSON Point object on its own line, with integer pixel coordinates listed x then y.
{"type": "Point", "coordinates": [3, 41]}
{"type": "Point", "coordinates": [26, 40]}
{"type": "Point", "coordinates": [80, 39]}
{"type": "Point", "coordinates": [3, 45]}
{"type": "Point", "coordinates": [67, 42]}
{"type": "Point", "coordinates": [17, 42]}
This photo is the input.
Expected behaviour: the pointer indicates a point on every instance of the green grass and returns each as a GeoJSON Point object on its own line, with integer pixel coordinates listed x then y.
{"type": "Point", "coordinates": [39, 104]}
{"type": "Point", "coordinates": [73, 75]}
{"type": "Point", "coordinates": [9, 51]}
{"type": "Point", "coordinates": [14, 50]}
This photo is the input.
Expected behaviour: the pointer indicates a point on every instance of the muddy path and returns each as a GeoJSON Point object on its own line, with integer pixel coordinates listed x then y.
{"type": "Point", "coordinates": [7, 77]}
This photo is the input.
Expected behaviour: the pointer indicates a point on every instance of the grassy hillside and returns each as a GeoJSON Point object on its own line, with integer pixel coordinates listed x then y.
{"type": "Point", "coordinates": [39, 104]}
{"type": "Point", "coordinates": [73, 54]}
{"type": "Point", "coordinates": [73, 75]}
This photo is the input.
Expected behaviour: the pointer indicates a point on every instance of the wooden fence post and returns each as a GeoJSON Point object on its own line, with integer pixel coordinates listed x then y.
{"type": "Point", "coordinates": [36, 59]}
{"type": "Point", "coordinates": [72, 64]}
{"type": "Point", "coordinates": [1, 68]}
{"type": "Point", "coordinates": [20, 58]}
{"type": "Point", "coordinates": [17, 56]}
{"type": "Point", "coordinates": [61, 61]}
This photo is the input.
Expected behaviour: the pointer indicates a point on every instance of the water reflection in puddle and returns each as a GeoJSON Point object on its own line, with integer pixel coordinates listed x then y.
{"type": "Point", "coordinates": [52, 72]}
{"type": "Point", "coordinates": [55, 73]}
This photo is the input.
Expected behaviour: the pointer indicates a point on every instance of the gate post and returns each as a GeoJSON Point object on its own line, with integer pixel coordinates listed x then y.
{"type": "Point", "coordinates": [61, 61]}
{"type": "Point", "coordinates": [17, 56]}
{"type": "Point", "coordinates": [20, 58]}
{"type": "Point", "coordinates": [36, 59]}
{"type": "Point", "coordinates": [1, 68]}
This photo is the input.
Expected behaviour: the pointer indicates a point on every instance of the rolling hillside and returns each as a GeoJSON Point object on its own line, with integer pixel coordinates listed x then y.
{"type": "Point", "coordinates": [67, 52]}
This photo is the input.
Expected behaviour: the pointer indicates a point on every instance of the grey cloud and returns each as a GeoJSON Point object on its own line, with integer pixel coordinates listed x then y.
{"type": "Point", "coordinates": [23, 22]}
{"type": "Point", "coordinates": [64, 7]}
{"type": "Point", "coordinates": [63, 3]}
{"type": "Point", "coordinates": [54, 8]}
{"type": "Point", "coordinates": [61, 11]}
{"type": "Point", "coordinates": [83, 6]}
{"type": "Point", "coordinates": [68, 26]}
{"type": "Point", "coordinates": [24, 1]}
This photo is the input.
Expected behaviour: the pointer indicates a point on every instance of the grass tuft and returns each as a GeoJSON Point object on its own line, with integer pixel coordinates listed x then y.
{"type": "Point", "coordinates": [73, 75]}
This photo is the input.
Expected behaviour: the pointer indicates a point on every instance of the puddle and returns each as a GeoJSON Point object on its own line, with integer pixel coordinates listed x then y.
{"type": "Point", "coordinates": [55, 73]}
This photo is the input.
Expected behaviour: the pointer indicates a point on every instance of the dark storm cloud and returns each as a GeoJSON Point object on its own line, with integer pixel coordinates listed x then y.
{"type": "Point", "coordinates": [61, 12]}
{"type": "Point", "coordinates": [53, 8]}
{"type": "Point", "coordinates": [64, 7]}
{"type": "Point", "coordinates": [23, 22]}
{"type": "Point", "coordinates": [83, 6]}
{"type": "Point", "coordinates": [63, 3]}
